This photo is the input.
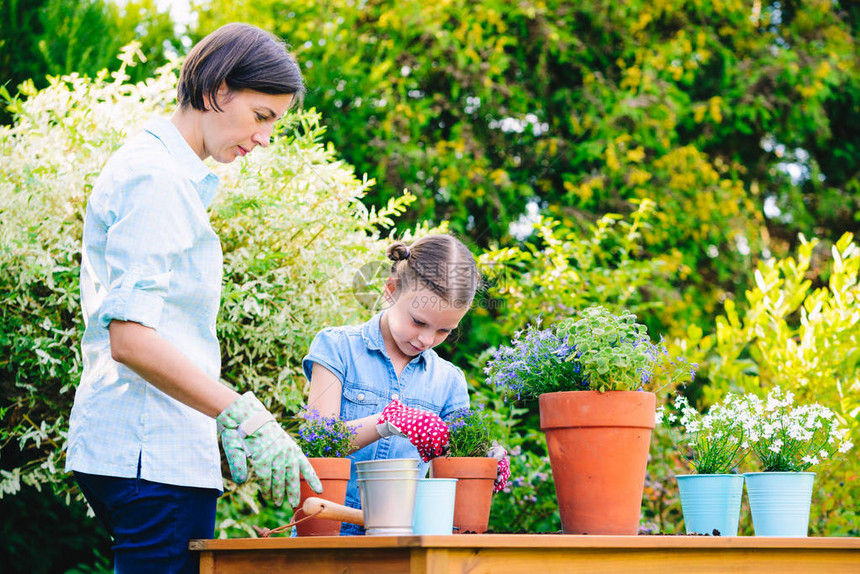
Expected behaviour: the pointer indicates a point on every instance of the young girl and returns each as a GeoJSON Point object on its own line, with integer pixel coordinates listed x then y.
{"type": "Point", "coordinates": [384, 376]}
{"type": "Point", "coordinates": [142, 433]}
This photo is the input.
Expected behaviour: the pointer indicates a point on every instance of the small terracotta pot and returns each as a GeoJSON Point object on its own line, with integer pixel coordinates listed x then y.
{"type": "Point", "coordinates": [475, 477]}
{"type": "Point", "coordinates": [598, 448]}
{"type": "Point", "coordinates": [334, 476]}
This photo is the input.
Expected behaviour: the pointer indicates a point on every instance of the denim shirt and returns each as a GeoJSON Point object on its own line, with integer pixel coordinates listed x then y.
{"type": "Point", "coordinates": [356, 355]}
{"type": "Point", "coordinates": [150, 256]}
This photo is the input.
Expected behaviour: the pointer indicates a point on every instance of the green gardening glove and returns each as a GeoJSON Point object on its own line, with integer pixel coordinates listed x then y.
{"type": "Point", "coordinates": [248, 429]}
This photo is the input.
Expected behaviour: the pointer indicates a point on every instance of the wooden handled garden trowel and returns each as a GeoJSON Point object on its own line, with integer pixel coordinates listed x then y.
{"type": "Point", "coordinates": [317, 508]}
{"type": "Point", "coordinates": [322, 508]}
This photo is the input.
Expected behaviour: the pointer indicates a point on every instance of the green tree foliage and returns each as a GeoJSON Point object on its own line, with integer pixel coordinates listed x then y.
{"type": "Point", "coordinates": [563, 269]}
{"type": "Point", "coordinates": [396, 77]}
{"type": "Point", "coordinates": [19, 51]}
{"type": "Point", "coordinates": [42, 534]}
{"type": "Point", "coordinates": [86, 35]}
{"type": "Point", "coordinates": [39, 38]}
{"type": "Point", "coordinates": [710, 108]}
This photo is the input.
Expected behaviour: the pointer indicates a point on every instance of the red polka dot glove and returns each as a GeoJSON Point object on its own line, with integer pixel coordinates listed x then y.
{"type": "Point", "coordinates": [503, 473]}
{"type": "Point", "coordinates": [425, 430]}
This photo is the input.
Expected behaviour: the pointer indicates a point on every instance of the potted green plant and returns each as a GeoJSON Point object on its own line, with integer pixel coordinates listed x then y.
{"type": "Point", "coordinates": [593, 376]}
{"type": "Point", "coordinates": [714, 445]}
{"type": "Point", "coordinates": [467, 461]}
{"type": "Point", "coordinates": [326, 441]}
{"type": "Point", "coordinates": [788, 439]}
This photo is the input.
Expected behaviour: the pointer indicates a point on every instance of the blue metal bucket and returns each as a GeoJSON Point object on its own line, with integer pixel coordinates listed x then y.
{"type": "Point", "coordinates": [711, 502]}
{"type": "Point", "coordinates": [434, 506]}
{"type": "Point", "coordinates": [779, 502]}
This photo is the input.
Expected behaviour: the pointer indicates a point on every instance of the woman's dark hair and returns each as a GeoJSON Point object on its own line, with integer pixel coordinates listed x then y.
{"type": "Point", "coordinates": [440, 263]}
{"type": "Point", "coordinates": [243, 57]}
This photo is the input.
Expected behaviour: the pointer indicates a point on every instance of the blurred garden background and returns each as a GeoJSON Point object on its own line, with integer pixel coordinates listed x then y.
{"type": "Point", "coordinates": [692, 161]}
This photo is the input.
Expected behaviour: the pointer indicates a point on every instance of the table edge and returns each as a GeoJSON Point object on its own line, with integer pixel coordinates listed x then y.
{"type": "Point", "coordinates": [561, 541]}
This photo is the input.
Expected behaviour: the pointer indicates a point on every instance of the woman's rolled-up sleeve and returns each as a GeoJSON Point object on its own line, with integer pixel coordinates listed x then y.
{"type": "Point", "coordinates": [149, 223]}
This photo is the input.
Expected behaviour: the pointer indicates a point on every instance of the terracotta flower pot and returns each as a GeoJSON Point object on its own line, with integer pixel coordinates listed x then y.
{"type": "Point", "coordinates": [475, 476]}
{"type": "Point", "coordinates": [598, 449]}
{"type": "Point", "coordinates": [334, 476]}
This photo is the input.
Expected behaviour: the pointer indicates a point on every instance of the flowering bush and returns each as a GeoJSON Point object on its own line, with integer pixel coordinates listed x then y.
{"type": "Point", "coordinates": [470, 432]}
{"type": "Point", "coordinates": [791, 438]}
{"type": "Point", "coordinates": [598, 351]}
{"type": "Point", "coordinates": [324, 437]}
{"type": "Point", "coordinates": [714, 442]}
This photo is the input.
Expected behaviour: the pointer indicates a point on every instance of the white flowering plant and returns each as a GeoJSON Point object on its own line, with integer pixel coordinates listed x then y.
{"type": "Point", "coordinates": [791, 438]}
{"type": "Point", "coordinates": [714, 442]}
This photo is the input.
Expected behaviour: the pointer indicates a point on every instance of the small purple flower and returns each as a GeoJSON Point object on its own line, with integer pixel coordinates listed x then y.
{"type": "Point", "coordinates": [320, 436]}
{"type": "Point", "coordinates": [536, 361]}
{"type": "Point", "coordinates": [470, 431]}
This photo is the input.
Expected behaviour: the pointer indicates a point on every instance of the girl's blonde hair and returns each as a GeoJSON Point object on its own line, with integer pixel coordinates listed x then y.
{"type": "Point", "coordinates": [440, 263]}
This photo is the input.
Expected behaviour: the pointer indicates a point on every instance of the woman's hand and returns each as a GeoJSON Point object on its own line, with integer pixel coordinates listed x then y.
{"type": "Point", "coordinates": [248, 429]}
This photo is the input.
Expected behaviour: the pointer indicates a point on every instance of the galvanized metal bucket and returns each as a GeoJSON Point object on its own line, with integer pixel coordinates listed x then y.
{"type": "Point", "coordinates": [387, 473]}
{"type": "Point", "coordinates": [387, 464]}
{"type": "Point", "coordinates": [388, 505]}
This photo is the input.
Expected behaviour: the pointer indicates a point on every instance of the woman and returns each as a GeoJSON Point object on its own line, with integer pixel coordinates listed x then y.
{"type": "Point", "coordinates": [142, 436]}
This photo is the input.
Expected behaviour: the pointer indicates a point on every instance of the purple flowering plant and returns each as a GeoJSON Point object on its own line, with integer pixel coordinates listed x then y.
{"type": "Point", "coordinates": [595, 351]}
{"type": "Point", "coordinates": [470, 432]}
{"type": "Point", "coordinates": [324, 437]}
{"type": "Point", "coordinates": [537, 361]}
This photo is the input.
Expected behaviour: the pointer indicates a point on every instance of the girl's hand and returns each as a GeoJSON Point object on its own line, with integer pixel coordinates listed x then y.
{"type": "Point", "coordinates": [425, 430]}
{"type": "Point", "coordinates": [503, 472]}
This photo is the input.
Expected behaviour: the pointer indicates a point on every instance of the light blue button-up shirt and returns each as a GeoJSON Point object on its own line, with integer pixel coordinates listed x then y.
{"type": "Point", "coordinates": [149, 256]}
{"type": "Point", "coordinates": [357, 357]}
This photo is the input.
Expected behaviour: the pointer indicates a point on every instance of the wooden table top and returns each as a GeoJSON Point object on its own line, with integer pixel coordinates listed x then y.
{"type": "Point", "coordinates": [526, 541]}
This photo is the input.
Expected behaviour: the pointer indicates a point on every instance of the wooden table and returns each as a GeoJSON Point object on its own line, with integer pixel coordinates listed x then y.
{"type": "Point", "coordinates": [527, 554]}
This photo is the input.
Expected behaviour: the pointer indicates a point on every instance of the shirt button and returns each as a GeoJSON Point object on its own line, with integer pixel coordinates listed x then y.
{"type": "Point", "coordinates": [395, 396]}
{"type": "Point", "coordinates": [360, 396]}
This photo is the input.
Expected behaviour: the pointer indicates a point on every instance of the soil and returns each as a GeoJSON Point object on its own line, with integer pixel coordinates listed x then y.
{"type": "Point", "coordinates": [715, 532]}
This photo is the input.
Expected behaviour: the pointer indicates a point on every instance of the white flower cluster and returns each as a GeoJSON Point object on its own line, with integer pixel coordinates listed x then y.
{"type": "Point", "coordinates": [715, 442]}
{"type": "Point", "coordinates": [784, 436]}
{"type": "Point", "coordinates": [789, 437]}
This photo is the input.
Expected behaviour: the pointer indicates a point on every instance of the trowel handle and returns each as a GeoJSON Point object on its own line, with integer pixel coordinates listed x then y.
{"type": "Point", "coordinates": [332, 511]}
